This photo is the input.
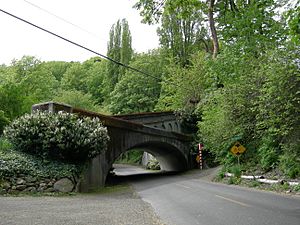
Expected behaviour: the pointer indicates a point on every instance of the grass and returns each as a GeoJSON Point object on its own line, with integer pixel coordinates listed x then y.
{"type": "Point", "coordinates": [111, 189]}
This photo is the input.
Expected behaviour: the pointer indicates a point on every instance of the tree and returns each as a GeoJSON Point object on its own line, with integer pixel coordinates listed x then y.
{"type": "Point", "coordinates": [120, 50]}
{"type": "Point", "coordinates": [25, 83]}
{"type": "Point", "coordinates": [250, 26]}
{"type": "Point", "coordinates": [77, 99]}
{"type": "Point", "coordinates": [56, 68]}
{"type": "Point", "coordinates": [278, 106]}
{"type": "Point", "coordinates": [137, 92]}
{"type": "Point", "coordinates": [75, 78]}
{"type": "Point", "coordinates": [95, 80]}
{"type": "Point", "coordinates": [293, 18]}
{"type": "Point", "coordinates": [182, 30]}
{"type": "Point", "coordinates": [211, 6]}
{"type": "Point", "coordinates": [183, 88]}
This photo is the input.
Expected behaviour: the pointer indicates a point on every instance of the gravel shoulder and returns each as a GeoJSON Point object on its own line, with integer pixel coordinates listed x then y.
{"type": "Point", "coordinates": [122, 207]}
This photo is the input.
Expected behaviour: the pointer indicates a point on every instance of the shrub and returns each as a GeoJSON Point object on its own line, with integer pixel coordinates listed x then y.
{"type": "Point", "coordinates": [61, 136]}
{"type": "Point", "coordinates": [236, 170]}
{"type": "Point", "coordinates": [5, 144]}
{"type": "Point", "coordinates": [3, 121]}
{"type": "Point", "coordinates": [268, 153]}
{"type": "Point", "coordinates": [289, 164]}
{"type": "Point", "coordinates": [234, 180]}
{"type": "Point", "coordinates": [14, 163]}
{"type": "Point", "coordinates": [153, 164]}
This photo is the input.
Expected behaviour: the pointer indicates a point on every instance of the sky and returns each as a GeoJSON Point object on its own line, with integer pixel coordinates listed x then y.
{"type": "Point", "coordinates": [88, 24]}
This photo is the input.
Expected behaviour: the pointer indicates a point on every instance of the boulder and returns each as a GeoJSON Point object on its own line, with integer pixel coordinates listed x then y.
{"type": "Point", "coordinates": [20, 181]}
{"type": "Point", "coordinates": [21, 187]}
{"type": "Point", "coordinates": [31, 179]}
{"type": "Point", "coordinates": [64, 185]}
{"type": "Point", "coordinates": [30, 189]}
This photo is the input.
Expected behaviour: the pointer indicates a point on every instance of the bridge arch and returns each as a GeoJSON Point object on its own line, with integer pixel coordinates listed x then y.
{"type": "Point", "coordinates": [172, 149]}
{"type": "Point", "coordinates": [169, 157]}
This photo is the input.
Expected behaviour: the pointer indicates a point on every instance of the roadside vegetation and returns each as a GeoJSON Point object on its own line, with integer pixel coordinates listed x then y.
{"type": "Point", "coordinates": [38, 150]}
{"type": "Point", "coordinates": [229, 69]}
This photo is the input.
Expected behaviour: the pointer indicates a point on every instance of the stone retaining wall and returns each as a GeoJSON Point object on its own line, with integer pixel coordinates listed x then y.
{"type": "Point", "coordinates": [32, 184]}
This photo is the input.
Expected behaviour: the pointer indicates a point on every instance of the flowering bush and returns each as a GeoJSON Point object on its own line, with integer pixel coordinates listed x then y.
{"type": "Point", "coordinates": [60, 136]}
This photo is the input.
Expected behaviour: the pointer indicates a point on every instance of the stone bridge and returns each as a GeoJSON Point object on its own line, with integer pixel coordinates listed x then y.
{"type": "Point", "coordinates": [155, 133]}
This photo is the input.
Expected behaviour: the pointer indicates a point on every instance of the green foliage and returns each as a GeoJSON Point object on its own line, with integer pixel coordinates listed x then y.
{"type": "Point", "coordinates": [3, 121]}
{"type": "Point", "coordinates": [119, 49]}
{"type": "Point", "coordinates": [75, 78]}
{"type": "Point", "coordinates": [176, 36]}
{"type": "Point", "coordinates": [131, 157]}
{"type": "Point", "coordinates": [14, 163]}
{"type": "Point", "coordinates": [12, 99]}
{"type": "Point", "coordinates": [77, 99]}
{"type": "Point", "coordinates": [220, 175]}
{"type": "Point", "coordinates": [5, 145]}
{"type": "Point", "coordinates": [268, 153]}
{"type": "Point", "coordinates": [25, 83]}
{"type": "Point", "coordinates": [296, 188]}
{"type": "Point", "coordinates": [56, 68]}
{"type": "Point", "coordinates": [59, 136]}
{"type": "Point", "coordinates": [250, 26]}
{"type": "Point", "coordinates": [153, 164]}
{"type": "Point", "coordinates": [236, 170]}
{"type": "Point", "coordinates": [234, 180]}
{"type": "Point", "coordinates": [183, 88]}
{"type": "Point", "coordinates": [290, 164]}
{"type": "Point", "coordinates": [293, 18]}
{"type": "Point", "coordinates": [253, 183]}
{"type": "Point", "coordinates": [95, 79]}
{"type": "Point", "coordinates": [136, 92]}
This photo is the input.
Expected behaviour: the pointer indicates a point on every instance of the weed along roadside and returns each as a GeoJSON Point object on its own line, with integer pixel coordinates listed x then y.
{"type": "Point", "coordinates": [268, 181]}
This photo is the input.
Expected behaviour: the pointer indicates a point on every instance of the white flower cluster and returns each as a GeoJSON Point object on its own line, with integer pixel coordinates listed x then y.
{"type": "Point", "coordinates": [63, 135]}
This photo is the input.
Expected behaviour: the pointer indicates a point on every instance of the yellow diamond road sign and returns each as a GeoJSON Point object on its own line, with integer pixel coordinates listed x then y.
{"type": "Point", "coordinates": [237, 148]}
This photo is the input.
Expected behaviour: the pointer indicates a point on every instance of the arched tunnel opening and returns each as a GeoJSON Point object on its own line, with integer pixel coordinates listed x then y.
{"type": "Point", "coordinates": [163, 159]}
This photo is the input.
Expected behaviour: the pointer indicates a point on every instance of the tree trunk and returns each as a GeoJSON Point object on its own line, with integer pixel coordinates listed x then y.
{"type": "Point", "coordinates": [212, 26]}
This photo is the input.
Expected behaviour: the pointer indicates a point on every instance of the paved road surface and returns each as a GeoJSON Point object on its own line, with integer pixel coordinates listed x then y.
{"type": "Point", "coordinates": [192, 200]}
{"type": "Point", "coordinates": [127, 170]}
{"type": "Point", "coordinates": [118, 208]}
{"type": "Point", "coordinates": [177, 199]}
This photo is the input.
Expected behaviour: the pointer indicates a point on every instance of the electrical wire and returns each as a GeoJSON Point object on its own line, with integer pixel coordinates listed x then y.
{"type": "Point", "coordinates": [62, 19]}
{"type": "Point", "coordinates": [83, 47]}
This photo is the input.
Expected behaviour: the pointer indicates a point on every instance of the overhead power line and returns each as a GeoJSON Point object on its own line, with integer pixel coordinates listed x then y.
{"type": "Point", "coordinates": [81, 46]}
{"type": "Point", "coordinates": [62, 19]}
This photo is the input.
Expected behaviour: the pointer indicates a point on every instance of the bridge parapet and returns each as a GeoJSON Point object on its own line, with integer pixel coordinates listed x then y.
{"type": "Point", "coordinates": [113, 121]}
{"type": "Point", "coordinates": [160, 120]}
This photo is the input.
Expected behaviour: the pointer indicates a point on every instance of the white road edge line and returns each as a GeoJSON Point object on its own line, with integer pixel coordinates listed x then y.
{"type": "Point", "coordinates": [180, 185]}
{"type": "Point", "coordinates": [234, 201]}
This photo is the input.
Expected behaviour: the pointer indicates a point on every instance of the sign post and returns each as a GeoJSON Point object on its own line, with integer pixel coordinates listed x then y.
{"type": "Point", "coordinates": [238, 149]}
{"type": "Point", "coordinates": [199, 156]}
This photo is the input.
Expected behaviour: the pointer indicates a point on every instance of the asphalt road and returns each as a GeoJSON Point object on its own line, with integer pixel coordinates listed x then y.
{"type": "Point", "coordinates": [190, 200]}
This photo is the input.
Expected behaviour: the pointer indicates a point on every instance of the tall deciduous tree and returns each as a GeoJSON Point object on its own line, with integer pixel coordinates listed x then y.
{"type": "Point", "coordinates": [250, 26]}
{"type": "Point", "coordinates": [211, 6]}
{"type": "Point", "coordinates": [182, 30]}
{"type": "Point", "coordinates": [119, 49]}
